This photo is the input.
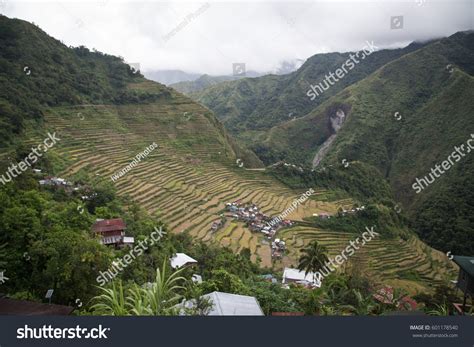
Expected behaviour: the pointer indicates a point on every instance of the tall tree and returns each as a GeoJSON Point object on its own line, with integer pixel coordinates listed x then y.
{"type": "Point", "coordinates": [313, 258]}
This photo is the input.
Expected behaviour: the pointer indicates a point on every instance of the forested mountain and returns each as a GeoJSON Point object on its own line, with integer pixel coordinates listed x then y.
{"type": "Point", "coordinates": [252, 106]}
{"type": "Point", "coordinates": [203, 82]}
{"type": "Point", "coordinates": [404, 110]}
{"type": "Point", "coordinates": [38, 71]}
{"type": "Point", "coordinates": [403, 120]}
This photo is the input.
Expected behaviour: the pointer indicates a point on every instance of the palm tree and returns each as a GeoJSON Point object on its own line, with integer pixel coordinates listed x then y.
{"type": "Point", "coordinates": [313, 258]}
{"type": "Point", "coordinates": [160, 297]}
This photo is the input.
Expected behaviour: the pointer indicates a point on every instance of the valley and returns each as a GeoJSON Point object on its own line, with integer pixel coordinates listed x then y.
{"type": "Point", "coordinates": [188, 179]}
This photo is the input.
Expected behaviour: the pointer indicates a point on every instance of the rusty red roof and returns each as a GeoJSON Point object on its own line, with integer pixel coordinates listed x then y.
{"type": "Point", "coordinates": [109, 225]}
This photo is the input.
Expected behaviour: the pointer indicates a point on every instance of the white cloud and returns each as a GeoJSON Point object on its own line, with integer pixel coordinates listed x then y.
{"type": "Point", "coordinates": [261, 34]}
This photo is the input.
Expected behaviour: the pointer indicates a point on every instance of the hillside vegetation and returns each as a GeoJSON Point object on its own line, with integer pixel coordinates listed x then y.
{"type": "Point", "coordinates": [406, 110]}
{"type": "Point", "coordinates": [104, 115]}
{"type": "Point", "coordinates": [248, 107]}
{"type": "Point", "coordinates": [203, 82]}
{"type": "Point", "coordinates": [435, 105]}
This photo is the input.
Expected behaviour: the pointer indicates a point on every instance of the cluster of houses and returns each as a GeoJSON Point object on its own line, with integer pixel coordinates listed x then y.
{"type": "Point", "coordinates": [228, 304]}
{"type": "Point", "coordinates": [288, 165]}
{"type": "Point", "coordinates": [342, 212]}
{"type": "Point", "coordinates": [69, 187]}
{"type": "Point", "coordinates": [54, 181]}
{"type": "Point", "coordinates": [278, 248]}
{"type": "Point", "coordinates": [322, 215]}
{"type": "Point", "coordinates": [255, 220]}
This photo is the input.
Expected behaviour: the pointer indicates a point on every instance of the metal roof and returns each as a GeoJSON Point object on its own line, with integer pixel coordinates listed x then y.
{"type": "Point", "coordinates": [300, 276]}
{"type": "Point", "coordinates": [226, 304]}
{"type": "Point", "coordinates": [181, 259]}
{"type": "Point", "coordinates": [465, 263]}
{"type": "Point", "coordinates": [109, 225]}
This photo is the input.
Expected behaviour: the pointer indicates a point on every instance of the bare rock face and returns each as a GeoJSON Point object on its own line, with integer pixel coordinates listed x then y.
{"type": "Point", "coordinates": [336, 121]}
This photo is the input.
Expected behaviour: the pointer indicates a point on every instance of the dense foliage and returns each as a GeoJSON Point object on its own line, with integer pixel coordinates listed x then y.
{"type": "Point", "coordinates": [36, 71]}
{"type": "Point", "coordinates": [358, 180]}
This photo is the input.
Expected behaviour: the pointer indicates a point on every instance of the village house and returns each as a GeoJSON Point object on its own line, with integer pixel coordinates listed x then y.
{"type": "Point", "coordinates": [181, 259]}
{"type": "Point", "coordinates": [226, 304]}
{"type": "Point", "coordinates": [112, 232]}
{"type": "Point", "coordinates": [232, 207]}
{"type": "Point", "coordinates": [269, 278]}
{"type": "Point", "coordinates": [296, 276]}
{"type": "Point", "coordinates": [196, 278]}
{"type": "Point", "coordinates": [88, 197]}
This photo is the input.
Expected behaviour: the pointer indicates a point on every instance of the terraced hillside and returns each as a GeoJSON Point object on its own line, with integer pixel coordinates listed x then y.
{"type": "Point", "coordinates": [186, 181]}
{"type": "Point", "coordinates": [408, 264]}
{"type": "Point", "coordinates": [105, 115]}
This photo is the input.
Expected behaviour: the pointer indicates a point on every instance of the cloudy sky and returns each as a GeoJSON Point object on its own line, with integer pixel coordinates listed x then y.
{"type": "Point", "coordinates": [207, 37]}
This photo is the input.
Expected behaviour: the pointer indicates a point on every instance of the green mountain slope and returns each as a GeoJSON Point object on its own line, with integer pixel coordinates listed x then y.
{"type": "Point", "coordinates": [203, 82]}
{"type": "Point", "coordinates": [250, 106]}
{"type": "Point", "coordinates": [402, 120]}
{"type": "Point", "coordinates": [38, 71]}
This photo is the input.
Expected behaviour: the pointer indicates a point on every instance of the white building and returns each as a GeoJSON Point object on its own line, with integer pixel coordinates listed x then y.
{"type": "Point", "coordinates": [299, 277]}
{"type": "Point", "coordinates": [181, 259]}
{"type": "Point", "coordinates": [226, 304]}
